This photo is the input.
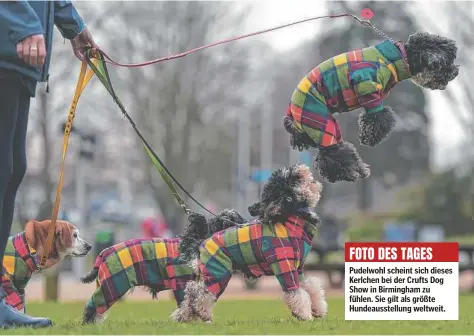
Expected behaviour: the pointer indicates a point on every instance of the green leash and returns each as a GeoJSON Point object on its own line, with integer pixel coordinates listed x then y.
{"type": "Point", "coordinates": [102, 73]}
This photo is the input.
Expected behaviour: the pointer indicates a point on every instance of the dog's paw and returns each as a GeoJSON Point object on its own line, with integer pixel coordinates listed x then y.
{"type": "Point", "coordinates": [319, 306]}
{"type": "Point", "coordinates": [183, 314]}
{"type": "Point", "coordinates": [375, 127]}
{"type": "Point", "coordinates": [341, 162]}
{"type": "Point", "coordinates": [299, 303]}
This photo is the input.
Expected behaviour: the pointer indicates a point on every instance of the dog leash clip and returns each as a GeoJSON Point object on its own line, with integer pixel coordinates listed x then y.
{"type": "Point", "coordinates": [185, 209]}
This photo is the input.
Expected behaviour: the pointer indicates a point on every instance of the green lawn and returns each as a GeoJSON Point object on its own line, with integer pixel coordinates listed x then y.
{"type": "Point", "coordinates": [237, 317]}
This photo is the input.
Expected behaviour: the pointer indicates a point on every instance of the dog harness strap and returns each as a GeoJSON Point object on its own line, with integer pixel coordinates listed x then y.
{"type": "Point", "coordinates": [82, 82]}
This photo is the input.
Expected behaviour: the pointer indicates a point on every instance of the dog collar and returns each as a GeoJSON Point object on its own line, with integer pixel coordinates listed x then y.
{"type": "Point", "coordinates": [35, 258]}
{"type": "Point", "coordinates": [27, 252]}
{"type": "Point", "coordinates": [401, 47]}
{"type": "Point", "coordinates": [307, 209]}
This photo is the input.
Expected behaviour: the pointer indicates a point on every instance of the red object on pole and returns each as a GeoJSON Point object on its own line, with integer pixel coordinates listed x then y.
{"type": "Point", "coordinates": [367, 13]}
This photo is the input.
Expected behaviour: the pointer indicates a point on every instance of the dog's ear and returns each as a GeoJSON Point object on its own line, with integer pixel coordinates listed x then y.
{"type": "Point", "coordinates": [278, 208]}
{"type": "Point", "coordinates": [63, 232]}
{"type": "Point", "coordinates": [255, 209]}
{"type": "Point", "coordinates": [30, 233]}
{"type": "Point", "coordinates": [433, 50]}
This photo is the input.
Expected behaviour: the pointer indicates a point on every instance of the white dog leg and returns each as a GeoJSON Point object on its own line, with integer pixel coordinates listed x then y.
{"type": "Point", "coordinates": [184, 313]}
{"type": "Point", "coordinates": [100, 318]}
{"type": "Point", "coordinates": [299, 303]}
{"type": "Point", "coordinates": [201, 300]}
{"type": "Point", "coordinates": [319, 306]}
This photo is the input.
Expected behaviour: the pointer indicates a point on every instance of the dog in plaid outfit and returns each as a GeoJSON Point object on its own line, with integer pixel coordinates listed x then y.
{"type": "Point", "coordinates": [153, 263]}
{"type": "Point", "coordinates": [277, 244]}
{"type": "Point", "coordinates": [21, 259]}
{"type": "Point", "coordinates": [362, 79]}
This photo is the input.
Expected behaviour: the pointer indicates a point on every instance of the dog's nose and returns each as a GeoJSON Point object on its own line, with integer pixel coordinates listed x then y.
{"type": "Point", "coordinates": [88, 247]}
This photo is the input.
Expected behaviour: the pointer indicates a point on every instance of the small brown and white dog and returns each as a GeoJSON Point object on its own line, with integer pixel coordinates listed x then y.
{"type": "Point", "coordinates": [22, 253]}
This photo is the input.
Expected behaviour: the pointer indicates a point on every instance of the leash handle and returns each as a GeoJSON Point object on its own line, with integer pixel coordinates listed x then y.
{"type": "Point", "coordinates": [82, 82]}
{"type": "Point", "coordinates": [108, 59]}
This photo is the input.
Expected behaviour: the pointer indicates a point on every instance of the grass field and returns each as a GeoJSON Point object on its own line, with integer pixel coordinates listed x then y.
{"type": "Point", "coordinates": [236, 317]}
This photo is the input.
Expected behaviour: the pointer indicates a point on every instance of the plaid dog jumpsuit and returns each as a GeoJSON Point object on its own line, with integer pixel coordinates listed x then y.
{"type": "Point", "coordinates": [260, 249]}
{"type": "Point", "coordinates": [19, 264]}
{"type": "Point", "coordinates": [359, 78]}
{"type": "Point", "coordinates": [154, 263]}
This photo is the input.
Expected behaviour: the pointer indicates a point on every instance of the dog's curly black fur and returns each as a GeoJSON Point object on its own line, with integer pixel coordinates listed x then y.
{"type": "Point", "coordinates": [431, 62]}
{"type": "Point", "coordinates": [298, 140]}
{"type": "Point", "coordinates": [341, 162]}
{"type": "Point", "coordinates": [375, 127]}
{"type": "Point", "coordinates": [285, 194]}
{"type": "Point", "coordinates": [199, 229]}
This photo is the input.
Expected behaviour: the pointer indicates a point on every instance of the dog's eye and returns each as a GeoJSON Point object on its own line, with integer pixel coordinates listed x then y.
{"type": "Point", "coordinates": [74, 234]}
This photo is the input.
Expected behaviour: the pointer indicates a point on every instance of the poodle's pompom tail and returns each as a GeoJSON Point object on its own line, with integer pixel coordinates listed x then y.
{"type": "Point", "coordinates": [91, 276]}
{"type": "Point", "coordinates": [375, 127]}
{"type": "Point", "coordinates": [341, 162]}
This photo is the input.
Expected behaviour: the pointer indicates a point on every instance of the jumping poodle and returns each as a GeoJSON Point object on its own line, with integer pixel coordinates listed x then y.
{"type": "Point", "coordinates": [277, 244]}
{"type": "Point", "coordinates": [362, 78]}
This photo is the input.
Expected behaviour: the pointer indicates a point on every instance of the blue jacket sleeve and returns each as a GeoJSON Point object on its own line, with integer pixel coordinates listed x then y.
{"type": "Point", "coordinates": [67, 19]}
{"type": "Point", "coordinates": [19, 20]}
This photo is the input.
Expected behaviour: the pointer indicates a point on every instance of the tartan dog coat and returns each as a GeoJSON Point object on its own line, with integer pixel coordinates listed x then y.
{"type": "Point", "coordinates": [259, 249]}
{"type": "Point", "coordinates": [19, 263]}
{"type": "Point", "coordinates": [359, 78]}
{"type": "Point", "coordinates": [154, 263]}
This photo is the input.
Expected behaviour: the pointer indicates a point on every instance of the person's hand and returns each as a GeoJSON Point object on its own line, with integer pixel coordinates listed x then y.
{"type": "Point", "coordinates": [32, 50]}
{"type": "Point", "coordinates": [81, 41]}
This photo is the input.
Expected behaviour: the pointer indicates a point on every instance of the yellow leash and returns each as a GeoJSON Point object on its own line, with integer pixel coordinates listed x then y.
{"type": "Point", "coordinates": [84, 78]}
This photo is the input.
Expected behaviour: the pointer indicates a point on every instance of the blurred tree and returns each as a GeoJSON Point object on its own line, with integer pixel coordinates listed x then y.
{"type": "Point", "coordinates": [184, 106]}
{"type": "Point", "coordinates": [457, 16]}
{"type": "Point", "coordinates": [443, 200]}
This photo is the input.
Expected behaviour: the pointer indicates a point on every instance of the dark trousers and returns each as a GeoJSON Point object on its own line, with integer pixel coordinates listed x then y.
{"type": "Point", "coordinates": [14, 107]}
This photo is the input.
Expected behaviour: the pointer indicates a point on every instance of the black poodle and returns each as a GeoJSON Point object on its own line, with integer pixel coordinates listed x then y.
{"type": "Point", "coordinates": [362, 79]}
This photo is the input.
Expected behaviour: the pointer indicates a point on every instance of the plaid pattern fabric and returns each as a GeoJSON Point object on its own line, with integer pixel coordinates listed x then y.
{"type": "Point", "coordinates": [18, 267]}
{"type": "Point", "coordinates": [359, 78]}
{"type": "Point", "coordinates": [260, 249]}
{"type": "Point", "coordinates": [154, 263]}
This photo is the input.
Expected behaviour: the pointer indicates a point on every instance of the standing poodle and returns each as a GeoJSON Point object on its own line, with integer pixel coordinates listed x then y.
{"type": "Point", "coordinates": [277, 245]}
{"type": "Point", "coordinates": [362, 78]}
{"type": "Point", "coordinates": [154, 263]}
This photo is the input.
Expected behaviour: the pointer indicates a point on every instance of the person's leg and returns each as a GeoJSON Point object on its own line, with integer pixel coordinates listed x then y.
{"type": "Point", "coordinates": [19, 161]}
{"type": "Point", "coordinates": [9, 98]}
{"type": "Point", "coordinates": [15, 104]}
